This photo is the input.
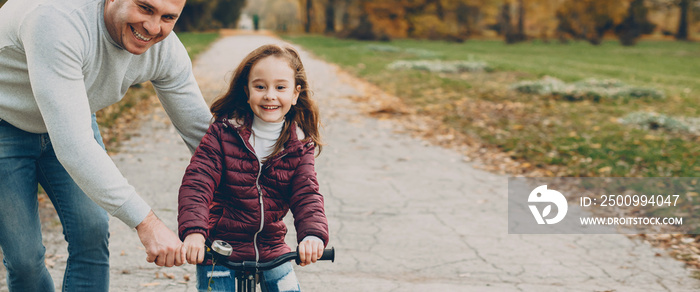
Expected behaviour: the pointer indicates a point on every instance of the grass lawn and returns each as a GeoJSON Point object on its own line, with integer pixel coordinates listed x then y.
{"type": "Point", "coordinates": [556, 135]}
{"type": "Point", "coordinates": [196, 42]}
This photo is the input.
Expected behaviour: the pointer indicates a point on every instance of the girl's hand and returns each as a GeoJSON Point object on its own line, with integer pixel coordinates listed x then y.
{"type": "Point", "coordinates": [310, 249]}
{"type": "Point", "coordinates": [194, 244]}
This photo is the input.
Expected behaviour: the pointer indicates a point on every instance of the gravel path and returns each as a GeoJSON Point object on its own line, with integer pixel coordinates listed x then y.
{"type": "Point", "coordinates": [404, 215]}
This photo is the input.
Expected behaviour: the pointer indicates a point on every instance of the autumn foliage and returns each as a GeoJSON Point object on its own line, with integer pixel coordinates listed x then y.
{"type": "Point", "coordinates": [513, 20]}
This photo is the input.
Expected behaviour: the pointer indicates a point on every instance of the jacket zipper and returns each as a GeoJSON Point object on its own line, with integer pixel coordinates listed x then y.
{"type": "Point", "coordinates": [260, 197]}
{"type": "Point", "coordinates": [260, 200]}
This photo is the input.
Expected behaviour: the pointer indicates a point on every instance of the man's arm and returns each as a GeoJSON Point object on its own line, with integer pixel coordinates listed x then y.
{"type": "Point", "coordinates": [180, 95]}
{"type": "Point", "coordinates": [55, 49]}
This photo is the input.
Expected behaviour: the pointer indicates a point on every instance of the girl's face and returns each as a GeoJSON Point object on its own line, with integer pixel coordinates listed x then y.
{"type": "Point", "coordinates": [271, 89]}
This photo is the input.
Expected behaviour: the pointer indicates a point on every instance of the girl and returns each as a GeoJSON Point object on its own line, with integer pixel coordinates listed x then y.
{"type": "Point", "coordinates": [255, 163]}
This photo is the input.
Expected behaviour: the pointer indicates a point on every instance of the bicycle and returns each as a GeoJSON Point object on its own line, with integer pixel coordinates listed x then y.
{"type": "Point", "coordinates": [247, 273]}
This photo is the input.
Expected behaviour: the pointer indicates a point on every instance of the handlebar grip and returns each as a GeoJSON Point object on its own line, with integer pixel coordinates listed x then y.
{"type": "Point", "coordinates": [328, 255]}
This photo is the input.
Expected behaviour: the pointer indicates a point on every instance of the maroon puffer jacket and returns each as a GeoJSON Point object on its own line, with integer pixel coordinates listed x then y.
{"type": "Point", "coordinates": [224, 187]}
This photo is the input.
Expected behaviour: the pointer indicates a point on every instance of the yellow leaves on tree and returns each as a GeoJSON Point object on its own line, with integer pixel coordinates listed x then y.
{"type": "Point", "coordinates": [590, 19]}
{"type": "Point", "coordinates": [387, 17]}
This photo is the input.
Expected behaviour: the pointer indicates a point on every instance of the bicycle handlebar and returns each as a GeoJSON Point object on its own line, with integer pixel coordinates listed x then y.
{"type": "Point", "coordinates": [218, 258]}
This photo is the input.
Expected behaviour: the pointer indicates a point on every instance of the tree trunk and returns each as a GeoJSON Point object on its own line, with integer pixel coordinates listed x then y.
{"type": "Point", "coordinates": [521, 21]}
{"type": "Point", "coordinates": [330, 17]}
{"type": "Point", "coordinates": [309, 8]}
{"type": "Point", "coordinates": [345, 20]}
{"type": "Point", "coordinates": [440, 11]}
{"type": "Point", "coordinates": [505, 26]}
{"type": "Point", "coordinates": [682, 33]}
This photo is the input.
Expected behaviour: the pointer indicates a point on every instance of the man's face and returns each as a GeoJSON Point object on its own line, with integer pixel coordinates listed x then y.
{"type": "Point", "coordinates": [136, 25]}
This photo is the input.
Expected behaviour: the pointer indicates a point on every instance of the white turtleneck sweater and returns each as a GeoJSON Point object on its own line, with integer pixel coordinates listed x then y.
{"type": "Point", "coordinates": [264, 137]}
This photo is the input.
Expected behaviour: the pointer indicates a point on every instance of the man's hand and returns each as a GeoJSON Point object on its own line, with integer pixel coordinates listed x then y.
{"type": "Point", "coordinates": [194, 244]}
{"type": "Point", "coordinates": [162, 245]}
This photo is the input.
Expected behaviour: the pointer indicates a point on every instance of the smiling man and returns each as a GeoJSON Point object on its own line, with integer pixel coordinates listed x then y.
{"type": "Point", "coordinates": [60, 62]}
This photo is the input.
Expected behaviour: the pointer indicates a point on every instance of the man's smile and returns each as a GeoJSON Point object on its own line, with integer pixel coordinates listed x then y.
{"type": "Point", "coordinates": [140, 36]}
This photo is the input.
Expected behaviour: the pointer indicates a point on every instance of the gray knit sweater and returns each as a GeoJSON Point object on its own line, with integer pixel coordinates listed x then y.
{"type": "Point", "coordinates": [58, 65]}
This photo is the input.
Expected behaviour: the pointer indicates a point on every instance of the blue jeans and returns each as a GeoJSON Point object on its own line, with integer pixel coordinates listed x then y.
{"type": "Point", "coordinates": [279, 279]}
{"type": "Point", "coordinates": [26, 160]}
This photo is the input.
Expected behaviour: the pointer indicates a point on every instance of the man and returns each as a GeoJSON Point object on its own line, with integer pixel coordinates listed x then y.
{"type": "Point", "coordinates": [60, 62]}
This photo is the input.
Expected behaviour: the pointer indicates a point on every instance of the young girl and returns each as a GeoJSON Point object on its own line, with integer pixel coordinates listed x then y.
{"type": "Point", "coordinates": [255, 163]}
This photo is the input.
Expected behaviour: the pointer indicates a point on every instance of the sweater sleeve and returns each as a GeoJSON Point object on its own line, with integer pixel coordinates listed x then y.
{"type": "Point", "coordinates": [55, 47]}
{"type": "Point", "coordinates": [306, 202]}
{"type": "Point", "coordinates": [180, 95]}
{"type": "Point", "coordinates": [202, 178]}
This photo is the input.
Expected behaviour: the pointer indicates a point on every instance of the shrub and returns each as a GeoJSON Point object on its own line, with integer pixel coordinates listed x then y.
{"type": "Point", "coordinates": [421, 53]}
{"type": "Point", "coordinates": [543, 87]}
{"type": "Point", "coordinates": [654, 121]}
{"type": "Point", "coordinates": [591, 89]}
{"type": "Point", "coordinates": [440, 66]}
{"type": "Point", "coordinates": [383, 48]}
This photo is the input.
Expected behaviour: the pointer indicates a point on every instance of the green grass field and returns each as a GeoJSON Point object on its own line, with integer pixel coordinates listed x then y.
{"type": "Point", "coordinates": [546, 132]}
{"type": "Point", "coordinates": [196, 42]}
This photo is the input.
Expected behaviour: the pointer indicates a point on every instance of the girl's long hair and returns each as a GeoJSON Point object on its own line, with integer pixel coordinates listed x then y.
{"type": "Point", "coordinates": [234, 104]}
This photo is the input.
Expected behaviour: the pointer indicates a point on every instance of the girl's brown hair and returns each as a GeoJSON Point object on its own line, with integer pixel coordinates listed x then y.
{"type": "Point", "coordinates": [234, 104]}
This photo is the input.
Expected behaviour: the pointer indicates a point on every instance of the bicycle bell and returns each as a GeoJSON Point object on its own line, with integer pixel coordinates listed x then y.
{"type": "Point", "coordinates": [221, 247]}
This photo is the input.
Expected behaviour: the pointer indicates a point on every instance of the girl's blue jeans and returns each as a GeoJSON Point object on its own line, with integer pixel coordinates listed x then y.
{"type": "Point", "coordinates": [26, 160]}
{"type": "Point", "coordinates": [280, 279]}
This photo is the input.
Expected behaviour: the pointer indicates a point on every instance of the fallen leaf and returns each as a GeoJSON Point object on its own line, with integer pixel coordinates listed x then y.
{"type": "Point", "coordinates": [49, 262]}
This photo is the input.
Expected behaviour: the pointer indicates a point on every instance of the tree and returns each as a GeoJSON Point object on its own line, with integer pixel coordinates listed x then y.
{"type": "Point", "coordinates": [197, 15]}
{"type": "Point", "coordinates": [519, 35]}
{"type": "Point", "coordinates": [228, 11]}
{"type": "Point", "coordinates": [467, 18]}
{"type": "Point", "coordinates": [589, 19]}
{"type": "Point", "coordinates": [330, 16]}
{"type": "Point", "coordinates": [209, 14]}
{"type": "Point", "coordinates": [505, 24]}
{"type": "Point", "coordinates": [345, 20]}
{"type": "Point", "coordinates": [309, 14]}
{"type": "Point", "coordinates": [682, 33]}
{"type": "Point", "coordinates": [635, 24]}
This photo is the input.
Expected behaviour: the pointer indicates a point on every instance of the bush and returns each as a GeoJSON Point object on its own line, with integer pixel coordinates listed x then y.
{"type": "Point", "coordinates": [590, 89]}
{"type": "Point", "coordinates": [421, 53]}
{"type": "Point", "coordinates": [440, 66]}
{"type": "Point", "coordinates": [546, 86]}
{"type": "Point", "coordinates": [383, 48]}
{"type": "Point", "coordinates": [654, 121]}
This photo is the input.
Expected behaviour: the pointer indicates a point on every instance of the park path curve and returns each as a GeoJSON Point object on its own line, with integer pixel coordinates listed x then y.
{"type": "Point", "coordinates": [404, 215]}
